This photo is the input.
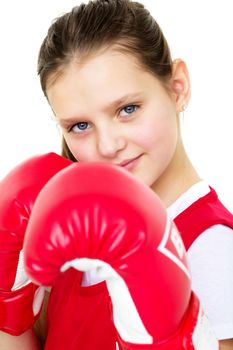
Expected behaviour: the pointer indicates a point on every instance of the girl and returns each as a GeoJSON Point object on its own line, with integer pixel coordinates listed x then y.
{"type": "Point", "coordinates": [108, 75]}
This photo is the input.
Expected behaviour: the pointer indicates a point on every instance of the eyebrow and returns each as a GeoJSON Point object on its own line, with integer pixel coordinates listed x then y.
{"type": "Point", "coordinates": [123, 99]}
{"type": "Point", "coordinates": [133, 97]}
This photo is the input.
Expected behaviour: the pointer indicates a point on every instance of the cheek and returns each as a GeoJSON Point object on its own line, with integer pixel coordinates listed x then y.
{"type": "Point", "coordinates": [160, 138]}
{"type": "Point", "coordinates": [81, 150]}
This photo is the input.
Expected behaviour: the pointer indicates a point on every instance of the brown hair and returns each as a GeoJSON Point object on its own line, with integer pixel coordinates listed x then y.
{"type": "Point", "coordinates": [124, 24]}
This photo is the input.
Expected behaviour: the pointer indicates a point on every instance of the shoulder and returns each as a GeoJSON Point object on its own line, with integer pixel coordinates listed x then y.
{"type": "Point", "coordinates": [211, 265]}
{"type": "Point", "coordinates": [214, 248]}
{"type": "Point", "coordinates": [206, 227]}
{"type": "Point", "coordinates": [215, 237]}
{"type": "Point", "coordinates": [197, 210]}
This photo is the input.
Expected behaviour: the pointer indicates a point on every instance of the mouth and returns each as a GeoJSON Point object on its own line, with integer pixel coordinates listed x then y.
{"type": "Point", "coordinates": [130, 164]}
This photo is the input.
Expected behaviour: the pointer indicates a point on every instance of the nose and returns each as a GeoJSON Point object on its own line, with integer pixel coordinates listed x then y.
{"type": "Point", "coordinates": [110, 142]}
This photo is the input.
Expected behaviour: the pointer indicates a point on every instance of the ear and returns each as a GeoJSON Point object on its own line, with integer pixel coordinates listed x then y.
{"type": "Point", "coordinates": [180, 84]}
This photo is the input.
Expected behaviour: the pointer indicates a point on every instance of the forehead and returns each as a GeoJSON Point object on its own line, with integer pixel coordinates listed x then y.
{"type": "Point", "coordinates": [97, 67]}
{"type": "Point", "coordinates": [97, 80]}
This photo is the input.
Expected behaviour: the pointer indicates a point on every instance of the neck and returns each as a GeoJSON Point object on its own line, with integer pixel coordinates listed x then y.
{"type": "Point", "coordinates": [177, 178]}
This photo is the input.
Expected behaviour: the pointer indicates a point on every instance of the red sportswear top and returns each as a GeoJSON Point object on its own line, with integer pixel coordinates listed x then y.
{"type": "Point", "coordinates": [202, 214]}
{"type": "Point", "coordinates": [79, 318]}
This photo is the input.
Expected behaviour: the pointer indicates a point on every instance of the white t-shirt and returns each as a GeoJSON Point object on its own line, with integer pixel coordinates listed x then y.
{"type": "Point", "coordinates": [211, 264]}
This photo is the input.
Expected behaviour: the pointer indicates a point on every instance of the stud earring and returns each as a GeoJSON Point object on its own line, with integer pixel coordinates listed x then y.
{"type": "Point", "coordinates": [184, 107]}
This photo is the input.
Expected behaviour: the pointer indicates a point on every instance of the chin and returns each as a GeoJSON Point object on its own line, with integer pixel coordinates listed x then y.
{"type": "Point", "coordinates": [144, 179]}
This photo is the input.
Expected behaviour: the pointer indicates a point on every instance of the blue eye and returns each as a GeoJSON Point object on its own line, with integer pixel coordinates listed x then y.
{"type": "Point", "coordinates": [128, 110]}
{"type": "Point", "coordinates": [80, 127]}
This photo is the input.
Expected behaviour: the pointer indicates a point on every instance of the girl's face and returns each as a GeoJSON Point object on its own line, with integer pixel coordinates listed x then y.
{"type": "Point", "coordinates": [112, 111]}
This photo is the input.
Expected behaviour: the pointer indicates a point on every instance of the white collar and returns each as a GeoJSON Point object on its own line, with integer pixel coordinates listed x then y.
{"type": "Point", "coordinates": [187, 198]}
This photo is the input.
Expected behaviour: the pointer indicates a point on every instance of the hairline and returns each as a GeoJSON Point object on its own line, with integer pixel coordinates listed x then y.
{"type": "Point", "coordinates": [81, 58]}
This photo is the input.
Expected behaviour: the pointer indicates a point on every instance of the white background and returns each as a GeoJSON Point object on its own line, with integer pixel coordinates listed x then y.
{"type": "Point", "coordinates": [200, 32]}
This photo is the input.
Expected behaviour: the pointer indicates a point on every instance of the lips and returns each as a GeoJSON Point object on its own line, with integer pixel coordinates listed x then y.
{"type": "Point", "coordinates": [129, 164]}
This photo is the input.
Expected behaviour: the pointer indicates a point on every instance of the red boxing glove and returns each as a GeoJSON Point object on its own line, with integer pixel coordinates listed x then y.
{"type": "Point", "coordinates": [103, 219]}
{"type": "Point", "coordinates": [20, 300]}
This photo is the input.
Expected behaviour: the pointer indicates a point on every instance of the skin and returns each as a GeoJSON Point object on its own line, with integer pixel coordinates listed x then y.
{"type": "Point", "coordinates": [226, 344]}
{"type": "Point", "coordinates": [27, 340]}
{"type": "Point", "coordinates": [126, 113]}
